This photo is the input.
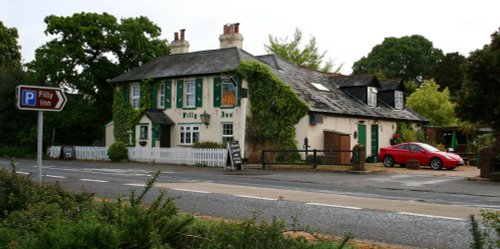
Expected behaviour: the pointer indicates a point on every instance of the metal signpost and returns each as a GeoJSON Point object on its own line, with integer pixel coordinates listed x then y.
{"type": "Point", "coordinates": [39, 98]}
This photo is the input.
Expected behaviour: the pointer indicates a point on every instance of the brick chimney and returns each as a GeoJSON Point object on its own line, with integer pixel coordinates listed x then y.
{"type": "Point", "coordinates": [179, 46]}
{"type": "Point", "coordinates": [231, 36]}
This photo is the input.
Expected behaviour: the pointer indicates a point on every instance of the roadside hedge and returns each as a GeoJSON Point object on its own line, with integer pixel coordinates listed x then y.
{"type": "Point", "coordinates": [48, 216]}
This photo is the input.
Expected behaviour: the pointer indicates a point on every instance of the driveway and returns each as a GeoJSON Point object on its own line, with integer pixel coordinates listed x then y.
{"type": "Point", "coordinates": [463, 171]}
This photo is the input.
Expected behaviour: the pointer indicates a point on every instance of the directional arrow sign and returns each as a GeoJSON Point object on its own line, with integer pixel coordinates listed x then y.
{"type": "Point", "coordinates": [40, 98]}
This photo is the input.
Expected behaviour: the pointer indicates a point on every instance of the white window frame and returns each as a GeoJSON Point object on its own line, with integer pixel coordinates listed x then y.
{"type": "Point", "coordinates": [190, 94]}
{"type": "Point", "coordinates": [227, 132]}
{"type": "Point", "coordinates": [162, 95]}
{"type": "Point", "coordinates": [189, 134]}
{"type": "Point", "coordinates": [398, 100]}
{"type": "Point", "coordinates": [135, 92]}
{"type": "Point", "coordinates": [143, 132]}
{"type": "Point", "coordinates": [371, 96]}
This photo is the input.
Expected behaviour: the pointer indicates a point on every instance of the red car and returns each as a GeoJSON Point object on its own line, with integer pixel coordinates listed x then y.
{"type": "Point", "coordinates": [426, 154]}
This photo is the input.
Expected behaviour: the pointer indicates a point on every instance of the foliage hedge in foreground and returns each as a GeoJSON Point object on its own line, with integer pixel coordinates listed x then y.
{"type": "Point", "coordinates": [34, 216]}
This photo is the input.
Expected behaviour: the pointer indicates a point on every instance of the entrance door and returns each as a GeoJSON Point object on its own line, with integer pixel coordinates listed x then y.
{"type": "Point", "coordinates": [374, 142]}
{"type": "Point", "coordinates": [165, 136]}
{"type": "Point", "coordinates": [362, 136]}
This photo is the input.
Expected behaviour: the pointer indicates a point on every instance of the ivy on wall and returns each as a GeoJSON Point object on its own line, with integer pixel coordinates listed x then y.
{"type": "Point", "coordinates": [145, 102]}
{"type": "Point", "coordinates": [124, 116]}
{"type": "Point", "coordinates": [275, 107]}
{"type": "Point", "coordinates": [121, 112]}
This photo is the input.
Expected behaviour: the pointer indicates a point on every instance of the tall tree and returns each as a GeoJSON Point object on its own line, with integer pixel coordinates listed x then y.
{"type": "Point", "coordinates": [308, 56]}
{"type": "Point", "coordinates": [433, 104]}
{"type": "Point", "coordinates": [450, 72]}
{"type": "Point", "coordinates": [479, 101]}
{"type": "Point", "coordinates": [88, 49]}
{"type": "Point", "coordinates": [10, 56]}
{"type": "Point", "coordinates": [407, 57]}
{"type": "Point", "coordinates": [16, 126]}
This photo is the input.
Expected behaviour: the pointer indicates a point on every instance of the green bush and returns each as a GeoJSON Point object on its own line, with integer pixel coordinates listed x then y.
{"type": "Point", "coordinates": [50, 217]}
{"type": "Point", "coordinates": [17, 152]}
{"type": "Point", "coordinates": [118, 152]}
{"type": "Point", "coordinates": [209, 145]}
{"type": "Point", "coordinates": [484, 236]}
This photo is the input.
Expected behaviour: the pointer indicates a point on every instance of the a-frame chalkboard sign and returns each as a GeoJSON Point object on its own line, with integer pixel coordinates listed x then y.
{"type": "Point", "coordinates": [234, 151]}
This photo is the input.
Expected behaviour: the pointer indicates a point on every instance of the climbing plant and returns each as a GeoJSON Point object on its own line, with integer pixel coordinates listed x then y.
{"type": "Point", "coordinates": [275, 108]}
{"type": "Point", "coordinates": [121, 112]}
{"type": "Point", "coordinates": [145, 102]}
{"type": "Point", "coordinates": [124, 116]}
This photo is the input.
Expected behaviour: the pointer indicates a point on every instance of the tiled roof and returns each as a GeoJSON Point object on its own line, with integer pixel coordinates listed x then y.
{"type": "Point", "coordinates": [391, 85]}
{"type": "Point", "coordinates": [357, 80]}
{"type": "Point", "coordinates": [158, 117]}
{"type": "Point", "coordinates": [188, 64]}
{"type": "Point", "coordinates": [334, 101]}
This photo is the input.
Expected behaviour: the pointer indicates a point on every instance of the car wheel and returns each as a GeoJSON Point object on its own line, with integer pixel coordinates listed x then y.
{"type": "Point", "coordinates": [388, 161]}
{"type": "Point", "coordinates": [436, 163]}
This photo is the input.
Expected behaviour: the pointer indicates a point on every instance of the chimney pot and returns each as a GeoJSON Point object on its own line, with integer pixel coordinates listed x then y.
{"type": "Point", "coordinates": [176, 36]}
{"type": "Point", "coordinates": [237, 27]}
{"type": "Point", "coordinates": [182, 34]}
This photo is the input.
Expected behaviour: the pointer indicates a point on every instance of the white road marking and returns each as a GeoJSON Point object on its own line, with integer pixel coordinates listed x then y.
{"type": "Point", "coordinates": [195, 191]}
{"type": "Point", "coordinates": [256, 197]}
{"type": "Point", "coordinates": [55, 176]}
{"type": "Point", "coordinates": [329, 205]}
{"type": "Point", "coordinates": [91, 180]}
{"type": "Point", "coordinates": [143, 175]}
{"type": "Point", "coordinates": [22, 173]}
{"type": "Point", "coordinates": [431, 216]}
{"type": "Point", "coordinates": [135, 184]}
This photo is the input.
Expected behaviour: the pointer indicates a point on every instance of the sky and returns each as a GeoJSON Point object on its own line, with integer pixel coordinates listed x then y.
{"type": "Point", "coordinates": [346, 29]}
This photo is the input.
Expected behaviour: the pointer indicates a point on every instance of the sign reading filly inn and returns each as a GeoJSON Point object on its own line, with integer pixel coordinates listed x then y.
{"type": "Point", "coordinates": [39, 98]}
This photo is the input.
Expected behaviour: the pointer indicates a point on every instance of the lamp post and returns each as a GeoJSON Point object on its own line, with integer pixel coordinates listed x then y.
{"type": "Point", "coordinates": [205, 118]}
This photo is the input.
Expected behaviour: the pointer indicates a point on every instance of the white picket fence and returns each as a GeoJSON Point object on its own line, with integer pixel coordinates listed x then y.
{"type": "Point", "coordinates": [186, 156]}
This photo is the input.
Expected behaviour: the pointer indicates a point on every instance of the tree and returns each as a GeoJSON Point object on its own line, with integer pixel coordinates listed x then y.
{"type": "Point", "coordinates": [16, 126]}
{"type": "Point", "coordinates": [407, 57]}
{"type": "Point", "coordinates": [88, 49]}
{"type": "Point", "coordinates": [308, 57]}
{"type": "Point", "coordinates": [10, 56]}
{"type": "Point", "coordinates": [479, 99]}
{"type": "Point", "coordinates": [450, 72]}
{"type": "Point", "coordinates": [434, 105]}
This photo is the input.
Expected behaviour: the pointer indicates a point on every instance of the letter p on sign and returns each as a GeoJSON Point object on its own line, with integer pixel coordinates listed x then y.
{"type": "Point", "coordinates": [29, 97]}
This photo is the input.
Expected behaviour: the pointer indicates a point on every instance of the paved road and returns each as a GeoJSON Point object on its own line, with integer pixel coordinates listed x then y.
{"type": "Point", "coordinates": [412, 210]}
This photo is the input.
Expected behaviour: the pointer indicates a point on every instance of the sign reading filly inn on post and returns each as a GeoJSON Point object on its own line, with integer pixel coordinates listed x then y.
{"type": "Point", "coordinates": [40, 98]}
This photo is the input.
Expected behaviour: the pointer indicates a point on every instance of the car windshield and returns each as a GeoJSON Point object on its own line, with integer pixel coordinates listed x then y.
{"type": "Point", "coordinates": [429, 148]}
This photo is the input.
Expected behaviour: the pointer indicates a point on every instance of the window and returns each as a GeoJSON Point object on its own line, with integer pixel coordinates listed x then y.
{"type": "Point", "coordinates": [190, 94]}
{"type": "Point", "coordinates": [320, 87]}
{"type": "Point", "coordinates": [162, 95]}
{"type": "Point", "coordinates": [143, 132]}
{"type": "Point", "coordinates": [136, 94]}
{"type": "Point", "coordinates": [398, 100]}
{"type": "Point", "coordinates": [227, 133]}
{"type": "Point", "coordinates": [403, 147]}
{"type": "Point", "coordinates": [228, 93]}
{"type": "Point", "coordinates": [372, 96]}
{"type": "Point", "coordinates": [190, 134]}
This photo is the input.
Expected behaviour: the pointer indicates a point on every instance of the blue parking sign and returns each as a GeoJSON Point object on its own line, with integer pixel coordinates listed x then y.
{"type": "Point", "coordinates": [29, 97]}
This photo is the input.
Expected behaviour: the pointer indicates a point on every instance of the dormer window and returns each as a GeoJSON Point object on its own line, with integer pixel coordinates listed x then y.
{"type": "Point", "coordinates": [398, 100]}
{"type": "Point", "coordinates": [372, 96]}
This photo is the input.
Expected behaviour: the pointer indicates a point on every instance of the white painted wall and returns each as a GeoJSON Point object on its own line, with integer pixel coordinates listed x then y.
{"type": "Point", "coordinates": [345, 125]}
